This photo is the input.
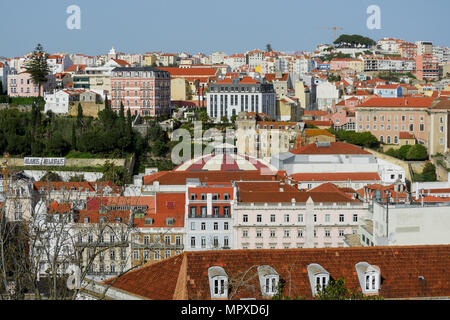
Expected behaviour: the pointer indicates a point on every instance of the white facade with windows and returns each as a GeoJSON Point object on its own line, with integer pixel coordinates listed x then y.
{"type": "Point", "coordinates": [228, 99]}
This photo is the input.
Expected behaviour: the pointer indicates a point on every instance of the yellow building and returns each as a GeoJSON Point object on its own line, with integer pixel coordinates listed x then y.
{"type": "Point", "coordinates": [302, 93]}
{"type": "Point", "coordinates": [260, 137]}
{"type": "Point", "coordinates": [180, 89]}
{"type": "Point", "coordinates": [149, 60]}
{"type": "Point", "coordinates": [318, 135]}
{"type": "Point", "coordinates": [288, 109]}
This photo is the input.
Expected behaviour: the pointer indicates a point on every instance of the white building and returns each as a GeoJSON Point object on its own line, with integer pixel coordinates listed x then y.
{"type": "Point", "coordinates": [407, 224]}
{"type": "Point", "coordinates": [326, 94]}
{"type": "Point", "coordinates": [59, 101]}
{"type": "Point", "coordinates": [57, 63]}
{"type": "Point", "coordinates": [4, 70]}
{"type": "Point", "coordinates": [217, 57]}
{"type": "Point", "coordinates": [228, 97]}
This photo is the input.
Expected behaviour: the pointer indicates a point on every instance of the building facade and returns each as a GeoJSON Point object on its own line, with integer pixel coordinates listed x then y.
{"type": "Point", "coordinates": [144, 90]}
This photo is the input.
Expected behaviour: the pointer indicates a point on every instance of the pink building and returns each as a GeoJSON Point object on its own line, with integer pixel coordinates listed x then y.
{"type": "Point", "coordinates": [427, 67]}
{"type": "Point", "coordinates": [278, 217]}
{"type": "Point", "coordinates": [142, 90]}
{"type": "Point", "coordinates": [21, 85]}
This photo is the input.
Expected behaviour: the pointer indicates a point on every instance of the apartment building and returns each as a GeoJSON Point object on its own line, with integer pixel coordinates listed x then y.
{"type": "Point", "coordinates": [276, 216]}
{"type": "Point", "coordinates": [208, 218]}
{"type": "Point", "coordinates": [258, 136]}
{"type": "Point", "coordinates": [427, 67]}
{"type": "Point", "coordinates": [159, 229]}
{"type": "Point", "coordinates": [228, 97]}
{"type": "Point", "coordinates": [425, 118]}
{"type": "Point", "coordinates": [22, 85]}
{"type": "Point", "coordinates": [142, 90]}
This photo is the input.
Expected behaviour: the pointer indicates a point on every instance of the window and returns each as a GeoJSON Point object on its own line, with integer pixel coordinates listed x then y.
{"type": "Point", "coordinates": [321, 281]}
{"type": "Point", "coordinates": [258, 233]}
{"type": "Point", "coordinates": [193, 212]}
{"type": "Point", "coordinates": [193, 196]}
{"type": "Point", "coordinates": [225, 226]}
{"type": "Point", "coordinates": [245, 218]}
{"type": "Point", "coordinates": [300, 218]}
{"type": "Point", "coordinates": [226, 211]}
{"type": "Point", "coordinates": [259, 218]}
{"type": "Point", "coordinates": [192, 242]}
{"type": "Point", "coordinates": [203, 211]}
{"type": "Point", "coordinates": [216, 226]}
{"type": "Point", "coordinates": [300, 233]}
{"type": "Point", "coordinates": [287, 233]}
{"type": "Point", "coordinates": [245, 233]}
{"type": "Point", "coordinates": [315, 218]}
{"type": "Point", "coordinates": [192, 225]}
{"type": "Point", "coordinates": [327, 217]}
{"type": "Point", "coordinates": [355, 218]}
{"type": "Point", "coordinates": [341, 218]}
{"type": "Point", "coordinates": [136, 254]}
{"type": "Point", "coordinates": [146, 254]}
{"type": "Point", "coordinates": [203, 242]}
{"type": "Point", "coordinates": [341, 232]}
{"type": "Point", "coordinates": [272, 218]}
{"type": "Point", "coordinates": [286, 218]}
{"type": "Point", "coordinates": [157, 255]}
{"type": "Point", "coordinates": [315, 233]}
{"type": "Point", "coordinates": [272, 233]}
{"type": "Point", "coordinates": [167, 240]}
{"type": "Point", "coordinates": [203, 226]}
{"type": "Point", "coordinates": [327, 233]}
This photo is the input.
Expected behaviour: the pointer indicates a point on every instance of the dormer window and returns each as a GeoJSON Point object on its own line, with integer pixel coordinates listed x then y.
{"type": "Point", "coordinates": [218, 282]}
{"type": "Point", "coordinates": [268, 280]}
{"type": "Point", "coordinates": [318, 278]}
{"type": "Point", "coordinates": [369, 277]}
{"type": "Point", "coordinates": [226, 196]}
{"type": "Point", "coordinates": [193, 196]}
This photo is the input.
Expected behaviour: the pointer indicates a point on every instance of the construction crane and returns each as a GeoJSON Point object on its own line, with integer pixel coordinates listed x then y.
{"type": "Point", "coordinates": [5, 173]}
{"type": "Point", "coordinates": [332, 28]}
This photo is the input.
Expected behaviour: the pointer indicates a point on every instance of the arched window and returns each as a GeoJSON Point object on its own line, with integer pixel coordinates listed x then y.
{"type": "Point", "coordinates": [318, 277]}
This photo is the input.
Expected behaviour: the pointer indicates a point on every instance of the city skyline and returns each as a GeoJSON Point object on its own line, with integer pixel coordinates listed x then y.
{"type": "Point", "coordinates": [211, 27]}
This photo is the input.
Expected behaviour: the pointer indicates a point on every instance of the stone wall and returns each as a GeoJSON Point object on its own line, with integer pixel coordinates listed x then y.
{"type": "Point", "coordinates": [90, 109]}
{"type": "Point", "coordinates": [18, 162]}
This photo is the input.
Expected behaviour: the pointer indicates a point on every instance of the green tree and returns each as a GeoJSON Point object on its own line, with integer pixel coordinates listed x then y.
{"type": "Point", "coordinates": [51, 177]}
{"type": "Point", "coordinates": [429, 172]}
{"type": "Point", "coordinates": [118, 175]}
{"type": "Point", "coordinates": [417, 152]}
{"type": "Point", "coordinates": [80, 116]}
{"type": "Point", "coordinates": [74, 137]}
{"type": "Point", "coordinates": [37, 67]}
{"type": "Point", "coordinates": [336, 290]}
{"type": "Point", "coordinates": [203, 116]}
{"type": "Point", "coordinates": [403, 151]}
{"type": "Point", "coordinates": [354, 40]}
{"type": "Point", "coordinates": [57, 146]}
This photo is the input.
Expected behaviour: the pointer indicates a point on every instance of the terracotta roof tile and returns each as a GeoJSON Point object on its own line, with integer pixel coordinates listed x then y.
{"type": "Point", "coordinates": [400, 268]}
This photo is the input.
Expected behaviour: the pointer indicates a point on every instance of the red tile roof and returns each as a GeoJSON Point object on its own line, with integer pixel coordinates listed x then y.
{"type": "Point", "coordinates": [185, 276]}
{"type": "Point", "coordinates": [406, 135]}
{"type": "Point", "coordinates": [415, 102]}
{"type": "Point", "coordinates": [272, 77]}
{"type": "Point", "coordinates": [333, 148]}
{"type": "Point", "coordinates": [168, 205]}
{"type": "Point", "coordinates": [318, 132]}
{"type": "Point", "coordinates": [179, 177]}
{"type": "Point", "coordinates": [319, 123]}
{"type": "Point", "coordinates": [190, 72]}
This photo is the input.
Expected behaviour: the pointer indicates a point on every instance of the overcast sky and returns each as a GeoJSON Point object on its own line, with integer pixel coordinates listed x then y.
{"type": "Point", "coordinates": [232, 26]}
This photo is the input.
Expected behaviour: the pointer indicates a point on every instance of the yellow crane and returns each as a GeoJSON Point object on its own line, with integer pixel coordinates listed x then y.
{"type": "Point", "coordinates": [332, 28]}
{"type": "Point", "coordinates": [5, 173]}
